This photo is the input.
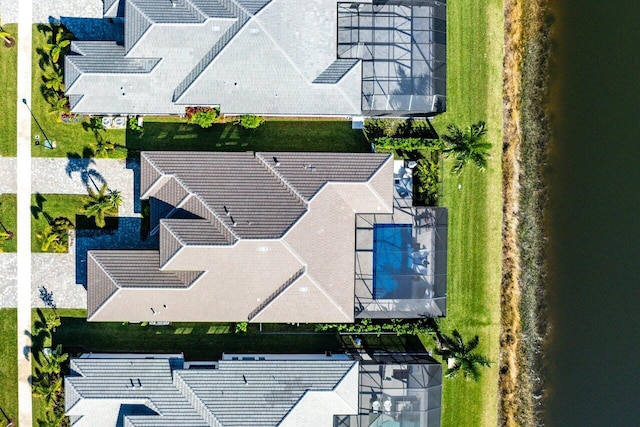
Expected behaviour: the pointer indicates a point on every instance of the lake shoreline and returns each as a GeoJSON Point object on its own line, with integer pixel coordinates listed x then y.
{"type": "Point", "coordinates": [526, 137]}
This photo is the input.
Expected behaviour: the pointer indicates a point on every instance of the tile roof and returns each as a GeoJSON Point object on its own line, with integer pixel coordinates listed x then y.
{"type": "Point", "coordinates": [312, 57]}
{"type": "Point", "coordinates": [255, 223]}
{"type": "Point", "coordinates": [237, 393]}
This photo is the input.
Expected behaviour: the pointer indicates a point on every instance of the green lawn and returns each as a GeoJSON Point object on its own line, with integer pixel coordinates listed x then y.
{"type": "Point", "coordinates": [70, 138]}
{"type": "Point", "coordinates": [198, 341]}
{"type": "Point", "coordinates": [8, 220]}
{"type": "Point", "coordinates": [474, 88]}
{"type": "Point", "coordinates": [171, 133]}
{"type": "Point", "coordinates": [8, 94]}
{"type": "Point", "coordinates": [8, 363]}
{"type": "Point", "coordinates": [49, 206]}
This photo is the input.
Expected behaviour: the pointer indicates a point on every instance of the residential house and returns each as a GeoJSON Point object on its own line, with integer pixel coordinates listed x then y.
{"type": "Point", "coordinates": [266, 57]}
{"type": "Point", "coordinates": [275, 237]}
{"type": "Point", "coordinates": [110, 390]}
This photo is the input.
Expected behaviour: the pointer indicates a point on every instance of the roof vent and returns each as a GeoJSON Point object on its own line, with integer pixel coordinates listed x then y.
{"type": "Point", "coordinates": [276, 161]}
{"type": "Point", "coordinates": [245, 379]}
{"type": "Point", "coordinates": [308, 166]}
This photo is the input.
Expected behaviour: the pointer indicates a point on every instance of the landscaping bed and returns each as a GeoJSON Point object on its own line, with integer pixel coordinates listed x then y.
{"type": "Point", "coordinates": [45, 207]}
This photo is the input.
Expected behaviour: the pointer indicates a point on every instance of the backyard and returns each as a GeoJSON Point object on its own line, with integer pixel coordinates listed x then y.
{"type": "Point", "coordinates": [8, 223]}
{"type": "Point", "coordinates": [474, 92]}
{"type": "Point", "coordinates": [8, 89]}
{"type": "Point", "coordinates": [172, 133]}
{"type": "Point", "coordinates": [8, 363]}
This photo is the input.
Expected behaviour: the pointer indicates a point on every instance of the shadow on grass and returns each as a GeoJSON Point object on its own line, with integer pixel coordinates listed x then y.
{"type": "Point", "coordinates": [38, 208]}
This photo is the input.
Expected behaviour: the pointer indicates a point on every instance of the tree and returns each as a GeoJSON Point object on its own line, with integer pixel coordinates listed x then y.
{"type": "Point", "coordinates": [60, 40]}
{"type": "Point", "coordinates": [9, 41]}
{"type": "Point", "coordinates": [459, 355]}
{"type": "Point", "coordinates": [101, 203]}
{"type": "Point", "coordinates": [205, 117]}
{"type": "Point", "coordinates": [250, 121]}
{"type": "Point", "coordinates": [59, 105]}
{"type": "Point", "coordinates": [52, 363]}
{"type": "Point", "coordinates": [53, 78]}
{"type": "Point", "coordinates": [46, 385]}
{"type": "Point", "coordinates": [55, 236]}
{"type": "Point", "coordinates": [467, 146]}
{"type": "Point", "coordinates": [102, 147]}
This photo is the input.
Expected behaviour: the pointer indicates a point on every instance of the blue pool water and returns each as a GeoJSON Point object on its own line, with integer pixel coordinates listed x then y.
{"type": "Point", "coordinates": [391, 258]}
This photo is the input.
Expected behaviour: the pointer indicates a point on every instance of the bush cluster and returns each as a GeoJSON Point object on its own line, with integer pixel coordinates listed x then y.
{"type": "Point", "coordinates": [204, 117]}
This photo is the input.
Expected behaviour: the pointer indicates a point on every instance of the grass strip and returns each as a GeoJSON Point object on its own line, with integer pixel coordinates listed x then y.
{"type": "Point", "coordinates": [9, 91]}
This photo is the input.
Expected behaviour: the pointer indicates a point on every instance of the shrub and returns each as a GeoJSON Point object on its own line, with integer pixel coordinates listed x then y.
{"type": "Point", "coordinates": [134, 127]}
{"type": "Point", "coordinates": [204, 117]}
{"type": "Point", "coordinates": [241, 327]}
{"type": "Point", "coordinates": [250, 121]}
{"type": "Point", "coordinates": [426, 178]}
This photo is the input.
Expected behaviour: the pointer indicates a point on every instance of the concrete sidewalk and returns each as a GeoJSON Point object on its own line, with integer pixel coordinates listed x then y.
{"type": "Point", "coordinates": [23, 166]}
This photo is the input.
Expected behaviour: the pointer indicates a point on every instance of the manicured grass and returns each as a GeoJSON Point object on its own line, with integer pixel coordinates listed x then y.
{"type": "Point", "coordinates": [70, 138]}
{"type": "Point", "coordinates": [198, 341]}
{"type": "Point", "coordinates": [171, 133]}
{"type": "Point", "coordinates": [48, 206]}
{"type": "Point", "coordinates": [8, 363]}
{"type": "Point", "coordinates": [8, 219]}
{"type": "Point", "coordinates": [474, 86]}
{"type": "Point", "coordinates": [8, 94]}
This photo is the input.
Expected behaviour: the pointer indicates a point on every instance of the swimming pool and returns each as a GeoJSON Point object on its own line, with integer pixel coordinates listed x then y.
{"type": "Point", "coordinates": [392, 262]}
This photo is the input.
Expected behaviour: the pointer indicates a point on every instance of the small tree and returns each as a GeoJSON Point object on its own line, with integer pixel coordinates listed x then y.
{"type": "Point", "coordinates": [460, 356]}
{"type": "Point", "coordinates": [101, 203]}
{"type": "Point", "coordinates": [60, 40]}
{"type": "Point", "coordinates": [53, 78]}
{"type": "Point", "coordinates": [250, 121]}
{"type": "Point", "coordinates": [102, 147]}
{"type": "Point", "coordinates": [204, 117]}
{"type": "Point", "coordinates": [59, 105]}
{"type": "Point", "coordinates": [467, 146]}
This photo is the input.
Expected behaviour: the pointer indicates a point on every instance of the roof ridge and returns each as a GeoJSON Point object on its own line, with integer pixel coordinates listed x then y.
{"type": "Point", "coordinates": [282, 179]}
{"type": "Point", "coordinates": [185, 389]}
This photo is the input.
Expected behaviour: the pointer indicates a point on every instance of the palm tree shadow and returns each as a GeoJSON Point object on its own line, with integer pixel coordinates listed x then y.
{"type": "Point", "coordinates": [38, 208]}
{"type": "Point", "coordinates": [83, 166]}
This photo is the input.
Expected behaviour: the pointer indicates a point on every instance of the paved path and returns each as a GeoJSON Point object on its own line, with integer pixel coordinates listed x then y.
{"type": "Point", "coordinates": [24, 213]}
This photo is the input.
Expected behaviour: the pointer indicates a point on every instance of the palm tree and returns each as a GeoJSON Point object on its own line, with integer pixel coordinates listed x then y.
{"type": "Point", "coordinates": [52, 363]}
{"type": "Point", "coordinates": [53, 78]}
{"type": "Point", "coordinates": [51, 240]}
{"type": "Point", "coordinates": [51, 419]}
{"type": "Point", "coordinates": [114, 197]}
{"type": "Point", "coordinates": [46, 385]}
{"type": "Point", "coordinates": [102, 147]}
{"type": "Point", "coordinates": [460, 356]}
{"type": "Point", "coordinates": [59, 105]}
{"type": "Point", "coordinates": [101, 203]}
{"type": "Point", "coordinates": [467, 146]}
{"type": "Point", "coordinates": [60, 39]}
{"type": "Point", "coordinates": [9, 41]}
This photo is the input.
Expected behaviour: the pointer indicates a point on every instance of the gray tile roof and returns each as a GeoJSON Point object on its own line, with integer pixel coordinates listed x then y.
{"type": "Point", "coordinates": [271, 57]}
{"type": "Point", "coordinates": [103, 57]}
{"type": "Point", "coordinates": [237, 393]}
{"type": "Point", "coordinates": [336, 71]}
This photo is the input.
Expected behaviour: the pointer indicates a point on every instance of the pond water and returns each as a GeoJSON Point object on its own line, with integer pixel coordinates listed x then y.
{"type": "Point", "coordinates": [593, 216]}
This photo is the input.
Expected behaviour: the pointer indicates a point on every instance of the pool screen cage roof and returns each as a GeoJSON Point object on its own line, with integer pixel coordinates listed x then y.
{"type": "Point", "coordinates": [402, 275]}
{"type": "Point", "coordinates": [397, 394]}
{"type": "Point", "coordinates": [402, 45]}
